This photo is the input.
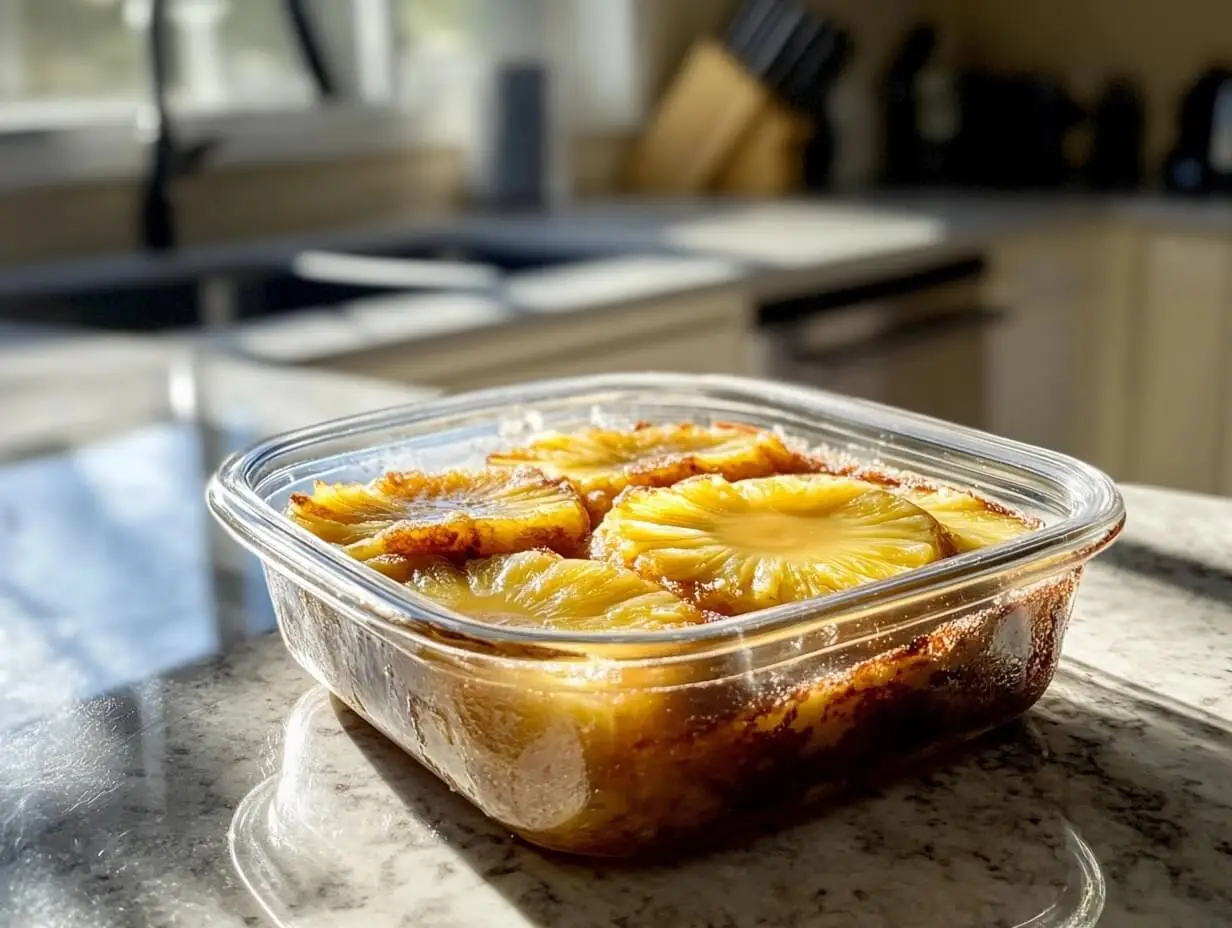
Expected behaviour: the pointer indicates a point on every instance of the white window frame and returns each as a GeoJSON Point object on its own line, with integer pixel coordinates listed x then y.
{"type": "Point", "coordinates": [65, 143]}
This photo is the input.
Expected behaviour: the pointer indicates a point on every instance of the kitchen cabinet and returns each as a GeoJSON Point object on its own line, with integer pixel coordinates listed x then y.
{"type": "Point", "coordinates": [1180, 385]}
{"type": "Point", "coordinates": [702, 332]}
{"type": "Point", "coordinates": [917, 342]}
{"type": "Point", "coordinates": [1043, 354]}
{"type": "Point", "coordinates": [1105, 352]}
{"type": "Point", "coordinates": [1137, 384]}
{"type": "Point", "coordinates": [1114, 348]}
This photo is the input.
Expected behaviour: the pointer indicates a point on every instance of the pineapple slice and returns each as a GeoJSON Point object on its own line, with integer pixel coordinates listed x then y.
{"type": "Point", "coordinates": [737, 547]}
{"type": "Point", "coordinates": [602, 462]}
{"type": "Point", "coordinates": [971, 522]}
{"type": "Point", "coordinates": [543, 590]}
{"type": "Point", "coordinates": [470, 513]}
{"type": "Point", "coordinates": [549, 748]}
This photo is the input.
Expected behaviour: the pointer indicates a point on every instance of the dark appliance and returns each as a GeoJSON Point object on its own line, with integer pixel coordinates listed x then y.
{"type": "Point", "coordinates": [1201, 161]}
{"type": "Point", "coordinates": [1117, 127]}
{"type": "Point", "coordinates": [513, 160]}
{"type": "Point", "coordinates": [816, 77]}
{"type": "Point", "coordinates": [921, 114]}
{"type": "Point", "coordinates": [1014, 130]}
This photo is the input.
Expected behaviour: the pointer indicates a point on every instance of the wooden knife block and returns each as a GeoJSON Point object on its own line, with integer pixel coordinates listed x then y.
{"type": "Point", "coordinates": [769, 160]}
{"type": "Point", "coordinates": [703, 117]}
{"type": "Point", "coordinates": [718, 128]}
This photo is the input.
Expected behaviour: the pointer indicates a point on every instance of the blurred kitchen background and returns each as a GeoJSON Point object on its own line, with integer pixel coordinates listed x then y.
{"type": "Point", "coordinates": [1008, 215]}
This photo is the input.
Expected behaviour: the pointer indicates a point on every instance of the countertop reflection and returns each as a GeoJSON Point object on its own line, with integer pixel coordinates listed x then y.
{"type": "Point", "coordinates": [985, 832]}
{"type": "Point", "coordinates": [111, 571]}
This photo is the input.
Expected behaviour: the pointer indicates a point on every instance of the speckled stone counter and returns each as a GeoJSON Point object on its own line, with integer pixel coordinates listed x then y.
{"type": "Point", "coordinates": [235, 792]}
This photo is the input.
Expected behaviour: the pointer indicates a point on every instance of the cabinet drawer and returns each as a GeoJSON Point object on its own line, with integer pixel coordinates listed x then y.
{"type": "Point", "coordinates": [716, 351]}
{"type": "Point", "coordinates": [699, 333]}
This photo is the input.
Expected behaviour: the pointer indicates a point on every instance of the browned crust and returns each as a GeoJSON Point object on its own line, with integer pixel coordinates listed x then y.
{"type": "Point", "coordinates": [463, 536]}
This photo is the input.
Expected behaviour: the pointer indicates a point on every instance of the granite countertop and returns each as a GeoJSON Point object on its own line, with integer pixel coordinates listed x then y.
{"type": "Point", "coordinates": [154, 780]}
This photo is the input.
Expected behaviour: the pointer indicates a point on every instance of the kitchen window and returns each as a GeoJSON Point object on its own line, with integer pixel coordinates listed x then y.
{"type": "Point", "coordinates": [75, 87]}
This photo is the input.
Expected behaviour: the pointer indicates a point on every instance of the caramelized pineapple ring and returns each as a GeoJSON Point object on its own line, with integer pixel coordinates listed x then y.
{"type": "Point", "coordinates": [550, 750]}
{"type": "Point", "coordinates": [602, 462]}
{"type": "Point", "coordinates": [543, 590]}
{"type": "Point", "coordinates": [470, 513]}
{"type": "Point", "coordinates": [972, 523]}
{"type": "Point", "coordinates": [737, 547]}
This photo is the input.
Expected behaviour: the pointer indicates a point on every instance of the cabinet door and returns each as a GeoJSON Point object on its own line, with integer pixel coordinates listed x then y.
{"type": "Point", "coordinates": [1103, 402]}
{"type": "Point", "coordinates": [1177, 431]}
{"type": "Point", "coordinates": [720, 350]}
{"type": "Point", "coordinates": [1063, 367]}
{"type": "Point", "coordinates": [1047, 287]}
{"type": "Point", "coordinates": [926, 353]}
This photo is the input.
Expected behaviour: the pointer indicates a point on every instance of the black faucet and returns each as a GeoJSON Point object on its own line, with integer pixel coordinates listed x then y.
{"type": "Point", "coordinates": [170, 159]}
{"type": "Point", "coordinates": [310, 50]}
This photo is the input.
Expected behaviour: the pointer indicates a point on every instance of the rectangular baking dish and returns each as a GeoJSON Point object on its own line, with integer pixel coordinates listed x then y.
{"type": "Point", "coordinates": [625, 744]}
